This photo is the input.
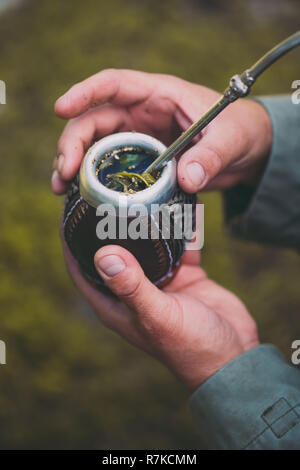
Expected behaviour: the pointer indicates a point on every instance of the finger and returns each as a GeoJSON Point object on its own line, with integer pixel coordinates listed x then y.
{"type": "Point", "coordinates": [121, 87]}
{"type": "Point", "coordinates": [222, 143]}
{"type": "Point", "coordinates": [125, 277]}
{"type": "Point", "coordinates": [191, 257]}
{"type": "Point", "coordinates": [80, 132]}
{"type": "Point", "coordinates": [59, 186]}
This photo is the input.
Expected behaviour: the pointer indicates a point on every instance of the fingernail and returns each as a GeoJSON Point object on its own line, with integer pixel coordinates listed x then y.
{"type": "Point", "coordinates": [196, 173]}
{"type": "Point", "coordinates": [54, 163]}
{"type": "Point", "coordinates": [111, 265]}
{"type": "Point", "coordinates": [60, 163]}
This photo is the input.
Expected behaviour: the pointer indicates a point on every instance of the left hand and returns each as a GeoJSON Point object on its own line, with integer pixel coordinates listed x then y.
{"type": "Point", "coordinates": [193, 326]}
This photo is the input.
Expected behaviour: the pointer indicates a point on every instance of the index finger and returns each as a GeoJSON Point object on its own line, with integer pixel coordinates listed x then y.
{"type": "Point", "coordinates": [121, 87]}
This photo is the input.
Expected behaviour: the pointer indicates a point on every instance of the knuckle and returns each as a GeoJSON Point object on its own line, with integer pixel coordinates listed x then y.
{"type": "Point", "coordinates": [77, 87]}
{"type": "Point", "coordinates": [110, 74]}
{"type": "Point", "coordinates": [129, 288]}
{"type": "Point", "coordinates": [60, 143]}
{"type": "Point", "coordinates": [110, 70]}
{"type": "Point", "coordinates": [69, 126]}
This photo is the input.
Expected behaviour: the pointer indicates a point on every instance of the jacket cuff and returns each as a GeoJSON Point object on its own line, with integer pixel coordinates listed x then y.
{"type": "Point", "coordinates": [271, 213]}
{"type": "Point", "coordinates": [250, 403]}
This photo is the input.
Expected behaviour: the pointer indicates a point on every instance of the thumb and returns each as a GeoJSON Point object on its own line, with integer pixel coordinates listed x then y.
{"type": "Point", "coordinates": [124, 276]}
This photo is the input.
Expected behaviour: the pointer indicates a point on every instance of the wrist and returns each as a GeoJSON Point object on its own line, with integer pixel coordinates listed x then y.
{"type": "Point", "coordinates": [208, 365]}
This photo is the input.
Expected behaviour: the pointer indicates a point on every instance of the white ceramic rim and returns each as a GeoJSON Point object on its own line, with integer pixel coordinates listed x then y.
{"type": "Point", "coordinates": [95, 193]}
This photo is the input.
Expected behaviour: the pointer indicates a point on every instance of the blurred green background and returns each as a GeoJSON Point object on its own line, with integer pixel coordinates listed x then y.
{"type": "Point", "coordinates": [68, 382]}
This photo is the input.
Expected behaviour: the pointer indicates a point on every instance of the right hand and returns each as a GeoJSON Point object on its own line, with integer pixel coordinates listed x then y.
{"type": "Point", "coordinates": [193, 326]}
{"type": "Point", "coordinates": [231, 149]}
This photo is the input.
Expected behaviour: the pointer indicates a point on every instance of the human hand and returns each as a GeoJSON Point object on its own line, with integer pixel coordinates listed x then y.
{"type": "Point", "coordinates": [193, 325]}
{"type": "Point", "coordinates": [231, 149]}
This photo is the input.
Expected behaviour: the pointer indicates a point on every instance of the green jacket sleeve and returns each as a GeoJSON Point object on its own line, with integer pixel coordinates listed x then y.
{"type": "Point", "coordinates": [271, 213]}
{"type": "Point", "coordinates": [252, 403]}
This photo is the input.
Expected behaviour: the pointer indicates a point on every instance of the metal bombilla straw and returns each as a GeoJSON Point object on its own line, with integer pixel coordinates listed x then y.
{"type": "Point", "coordinates": [239, 86]}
